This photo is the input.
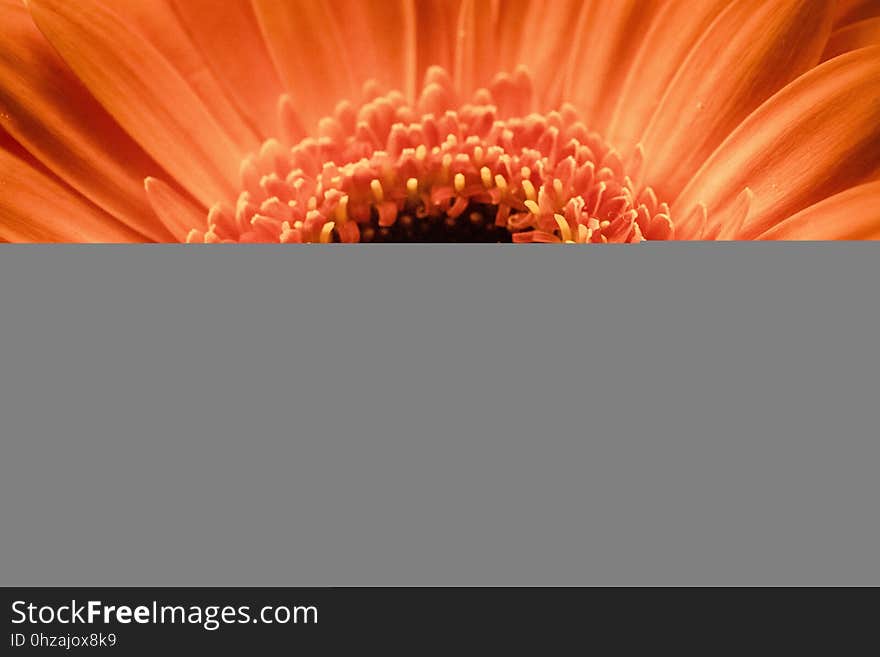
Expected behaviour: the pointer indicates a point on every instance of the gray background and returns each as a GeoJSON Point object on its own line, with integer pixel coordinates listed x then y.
{"type": "Point", "coordinates": [438, 415]}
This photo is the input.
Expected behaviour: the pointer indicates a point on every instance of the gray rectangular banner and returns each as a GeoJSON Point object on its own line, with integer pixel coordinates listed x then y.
{"type": "Point", "coordinates": [439, 415]}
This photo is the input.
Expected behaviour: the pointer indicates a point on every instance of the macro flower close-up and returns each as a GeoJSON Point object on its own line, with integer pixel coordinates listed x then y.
{"type": "Point", "coordinates": [562, 121]}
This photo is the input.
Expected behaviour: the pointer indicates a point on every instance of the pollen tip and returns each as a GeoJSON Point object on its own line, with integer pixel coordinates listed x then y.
{"type": "Point", "coordinates": [564, 228]}
{"type": "Point", "coordinates": [341, 211]}
{"type": "Point", "coordinates": [584, 234]}
{"type": "Point", "coordinates": [557, 187]}
{"type": "Point", "coordinates": [376, 188]}
{"type": "Point", "coordinates": [327, 232]}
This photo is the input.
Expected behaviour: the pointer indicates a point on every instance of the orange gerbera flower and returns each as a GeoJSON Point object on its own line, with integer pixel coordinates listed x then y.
{"type": "Point", "coordinates": [439, 120]}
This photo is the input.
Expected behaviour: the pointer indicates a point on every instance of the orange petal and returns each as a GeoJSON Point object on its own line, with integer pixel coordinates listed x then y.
{"type": "Point", "coordinates": [852, 37]}
{"type": "Point", "coordinates": [436, 23]}
{"type": "Point", "coordinates": [306, 43]}
{"type": "Point", "coordinates": [37, 207]}
{"type": "Point", "coordinates": [512, 27]}
{"type": "Point", "coordinates": [850, 215]}
{"type": "Point", "coordinates": [671, 36]}
{"type": "Point", "coordinates": [750, 51]}
{"type": "Point", "coordinates": [544, 44]}
{"type": "Point", "coordinates": [600, 54]}
{"type": "Point", "coordinates": [162, 27]}
{"type": "Point", "coordinates": [232, 45]}
{"type": "Point", "coordinates": [144, 92]}
{"type": "Point", "coordinates": [380, 41]}
{"type": "Point", "coordinates": [179, 214]}
{"type": "Point", "coordinates": [735, 217]}
{"type": "Point", "coordinates": [817, 136]}
{"type": "Point", "coordinates": [851, 11]}
{"type": "Point", "coordinates": [475, 46]}
{"type": "Point", "coordinates": [45, 108]}
{"type": "Point", "coordinates": [325, 51]}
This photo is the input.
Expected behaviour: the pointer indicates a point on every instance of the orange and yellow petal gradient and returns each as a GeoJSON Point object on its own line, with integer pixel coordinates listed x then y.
{"type": "Point", "coordinates": [439, 120]}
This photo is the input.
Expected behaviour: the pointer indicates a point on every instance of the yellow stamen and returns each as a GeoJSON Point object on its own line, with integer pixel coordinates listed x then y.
{"type": "Point", "coordinates": [341, 211]}
{"type": "Point", "coordinates": [529, 189]}
{"type": "Point", "coordinates": [533, 207]}
{"type": "Point", "coordinates": [421, 152]}
{"type": "Point", "coordinates": [501, 182]}
{"type": "Point", "coordinates": [486, 175]}
{"type": "Point", "coordinates": [446, 162]}
{"type": "Point", "coordinates": [564, 228]}
{"type": "Point", "coordinates": [478, 155]}
{"type": "Point", "coordinates": [412, 186]}
{"type": "Point", "coordinates": [459, 182]}
{"type": "Point", "coordinates": [584, 234]}
{"type": "Point", "coordinates": [327, 232]}
{"type": "Point", "coordinates": [378, 192]}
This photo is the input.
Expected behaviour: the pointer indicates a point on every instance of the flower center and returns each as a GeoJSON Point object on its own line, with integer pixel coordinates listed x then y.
{"type": "Point", "coordinates": [440, 171]}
